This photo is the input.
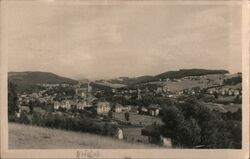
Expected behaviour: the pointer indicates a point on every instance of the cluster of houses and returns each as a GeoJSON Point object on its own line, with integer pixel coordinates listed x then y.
{"type": "Point", "coordinates": [101, 107]}
{"type": "Point", "coordinates": [70, 104]}
{"type": "Point", "coordinates": [85, 98]}
{"type": "Point", "coordinates": [155, 91]}
{"type": "Point", "coordinates": [24, 99]}
{"type": "Point", "coordinates": [104, 107]}
{"type": "Point", "coordinates": [48, 85]}
{"type": "Point", "coordinates": [225, 91]}
{"type": "Point", "coordinates": [152, 110]}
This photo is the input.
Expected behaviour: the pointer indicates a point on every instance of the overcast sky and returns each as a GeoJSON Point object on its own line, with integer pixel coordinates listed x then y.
{"type": "Point", "coordinates": [123, 40]}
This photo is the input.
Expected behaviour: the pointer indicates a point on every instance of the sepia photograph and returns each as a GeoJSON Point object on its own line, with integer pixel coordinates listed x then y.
{"type": "Point", "coordinates": [119, 75]}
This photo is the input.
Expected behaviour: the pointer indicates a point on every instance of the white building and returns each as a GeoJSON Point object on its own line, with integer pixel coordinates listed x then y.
{"type": "Point", "coordinates": [66, 104]}
{"type": "Point", "coordinates": [118, 108]}
{"type": "Point", "coordinates": [103, 107]}
{"type": "Point", "coordinates": [57, 105]}
{"type": "Point", "coordinates": [81, 105]}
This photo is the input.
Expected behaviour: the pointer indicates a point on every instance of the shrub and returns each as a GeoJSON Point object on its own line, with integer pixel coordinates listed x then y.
{"type": "Point", "coordinates": [192, 124]}
{"type": "Point", "coordinates": [24, 119]}
{"type": "Point", "coordinates": [12, 99]}
{"type": "Point", "coordinates": [233, 80]}
{"type": "Point", "coordinates": [68, 123]}
{"type": "Point", "coordinates": [12, 118]}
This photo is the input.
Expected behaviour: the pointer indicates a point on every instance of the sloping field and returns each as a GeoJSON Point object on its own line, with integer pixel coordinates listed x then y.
{"type": "Point", "coordinates": [237, 86]}
{"type": "Point", "coordinates": [32, 137]}
{"type": "Point", "coordinates": [184, 84]}
{"type": "Point", "coordinates": [209, 80]}
{"type": "Point", "coordinates": [223, 108]}
{"type": "Point", "coordinates": [111, 84]}
{"type": "Point", "coordinates": [137, 119]}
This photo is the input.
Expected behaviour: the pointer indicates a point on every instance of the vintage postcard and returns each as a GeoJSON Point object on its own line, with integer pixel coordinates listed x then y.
{"type": "Point", "coordinates": [124, 79]}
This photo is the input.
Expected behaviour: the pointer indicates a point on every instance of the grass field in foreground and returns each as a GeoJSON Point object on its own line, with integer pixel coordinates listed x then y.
{"type": "Point", "coordinates": [33, 137]}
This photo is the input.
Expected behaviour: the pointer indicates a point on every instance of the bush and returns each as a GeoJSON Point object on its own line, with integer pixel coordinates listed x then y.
{"type": "Point", "coordinates": [12, 99]}
{"type": "Point", "coordinates": [12, 118]}
{"type": "Point", "coordinates": [208, 98]}
{"type": "Point", "coordinates": [191, 124]}
{"type": "Point", "coordinates": [185, 133]}
{"type": "Point", "coordinates": [233, 80]}
{"type": "Point", "coordinates": [37, 119]}
{"type": "Point", "coordinates": [74, 124]}
{"type": "Point", "coordinates": [24, 119]}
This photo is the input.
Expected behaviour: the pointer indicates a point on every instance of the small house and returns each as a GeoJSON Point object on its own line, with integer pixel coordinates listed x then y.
{"type": "Point", "coordinates": [18, 114]}
{"type": "Point", "coordinates": [230, 92]}
{"type": "Point", "coordinates": [119, 134]}
{"type": "Point", "coordinates": [133, 108]}
{"type": "Point", "coordinates": [118, 108]}
{"type": "Point", "coordinates": [66, 104]}
{"type": "Point", "coordinates": [154, 110]}
{"type": "Point", "coordinates": [236, 92]}
{"type": "Point", "coordinates": [103, 107]}
{"type": "Point", "coordinates": [113, 90]}
{"type": "Point", "coordinates": [223, 92]}
{"type": "Point", "coordinates": [142, 110]}
{"type": "Point", "coordinates": [81, 105]}
{"type": "Point", "coordinates": [57, 105]}
{"type": "Point", "coordinates": [127, 108]}
{"type": "Point", "coordinates": [159, 90]}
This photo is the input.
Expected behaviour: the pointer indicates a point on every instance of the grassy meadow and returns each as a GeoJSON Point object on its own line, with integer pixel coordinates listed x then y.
{"type": "Point", "coordinates": [33, 137]}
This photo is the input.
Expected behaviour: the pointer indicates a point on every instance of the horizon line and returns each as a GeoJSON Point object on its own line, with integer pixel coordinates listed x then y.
{"type": "Point", "coordinates": [103, 78]}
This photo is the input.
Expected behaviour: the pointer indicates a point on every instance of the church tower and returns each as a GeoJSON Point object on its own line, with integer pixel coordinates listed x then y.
{"type": "Point", "coordinates": [139, 94]}
{"type": "Point", "coordinates": [89, 88]}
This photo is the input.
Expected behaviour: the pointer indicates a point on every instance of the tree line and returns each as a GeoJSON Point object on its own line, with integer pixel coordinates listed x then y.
{"type": "Point", "coordinates": [191, 124]}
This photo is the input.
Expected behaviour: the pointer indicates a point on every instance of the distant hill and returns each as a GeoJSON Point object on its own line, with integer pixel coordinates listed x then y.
{"type": "Point", "coordinates": [28, 81]}
{"type": "Point", "coordinates": [189, 72]}
{"type": "Point", "coordinates": [83, 80]}
{"type": "Point", "coordinates": [25, 80]}
{"type": "Point", "coordinates": [132, 81]}
{"type": "Point", "coordinates": [170, 74]}
{"type": "Point", "coordinates": [38, 77]}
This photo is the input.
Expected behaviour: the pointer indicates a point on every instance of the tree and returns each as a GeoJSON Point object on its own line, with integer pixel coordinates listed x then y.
{"type": "Point", "coordinates": [190, 124]}
{"type": "Point", "coordinates": [31, 106]}
{"type": "Point", "coordinates": [110, 114]}
{"type": "Point", "coordinates": [185, 133]}
{"type": "Point", "coordinates": [36, 103]}
{"type": "Point", "coordinates": [74, 109]}
{"type": "Point", "coordinates": [94, 113]}
{"type": "Point", "coordinates": [238, 100]}
{"type": "Point", "coordinates": [189, 133]}
{"type": "Point", "coordinates": [12, 99]}
{"type": "Point", "coordinates": [139, 109]}
{"type": "Point", "coordinates": [216, 95]}
{"type": "Point", "coordinates": [172, 118]}
{"type": "Point", "coordinates": [127, 116]}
